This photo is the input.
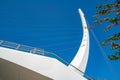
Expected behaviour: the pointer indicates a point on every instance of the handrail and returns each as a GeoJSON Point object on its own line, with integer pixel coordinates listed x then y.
{"type": "Point", "coordinates": [38, 51]}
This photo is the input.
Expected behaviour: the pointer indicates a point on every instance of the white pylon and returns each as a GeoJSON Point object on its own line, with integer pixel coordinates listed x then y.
{"type": "Point", "coordinates": [81, 58]}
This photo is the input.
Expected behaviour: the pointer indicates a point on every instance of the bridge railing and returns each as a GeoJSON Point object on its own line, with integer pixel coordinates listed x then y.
{"type": "Point", "coordinates": [21, 47]}
{"type": "Point", "coordinates": [39, 51]}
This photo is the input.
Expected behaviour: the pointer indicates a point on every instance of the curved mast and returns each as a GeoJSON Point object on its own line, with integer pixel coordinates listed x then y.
{"type": "Point", "coordinates": [81, 58]}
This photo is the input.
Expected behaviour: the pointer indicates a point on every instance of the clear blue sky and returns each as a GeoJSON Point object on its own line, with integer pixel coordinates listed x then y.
{"type": "Point", "coordinates": [55, 25]}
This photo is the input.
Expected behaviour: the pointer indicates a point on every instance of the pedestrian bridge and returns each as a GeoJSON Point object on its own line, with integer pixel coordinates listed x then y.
{"type": "Point", "coordinates": [38, 61]}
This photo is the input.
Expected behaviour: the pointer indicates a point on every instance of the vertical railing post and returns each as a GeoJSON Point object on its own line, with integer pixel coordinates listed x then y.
{"type": "Point", "coordinates": [1, 41]}
{"type": "Point", "coordinates": [18, 46]}
{"type": "Point", "coordinates": [34, 50]}
{"type": "Point", "coordinates": [43, 52]}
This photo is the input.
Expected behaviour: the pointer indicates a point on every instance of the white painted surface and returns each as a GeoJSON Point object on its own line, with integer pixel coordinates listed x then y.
{"type": "Point", "coordinates": [46, 66]}
{"type": "Point", "coordinates": [81, 58]}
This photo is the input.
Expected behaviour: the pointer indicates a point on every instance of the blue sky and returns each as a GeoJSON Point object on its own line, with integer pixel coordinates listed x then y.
{"type": "Point", "coordinates": [55, 25]}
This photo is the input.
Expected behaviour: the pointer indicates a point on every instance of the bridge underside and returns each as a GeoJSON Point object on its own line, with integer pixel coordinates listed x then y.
{"type": "Point", "coordinates": [11, 71]}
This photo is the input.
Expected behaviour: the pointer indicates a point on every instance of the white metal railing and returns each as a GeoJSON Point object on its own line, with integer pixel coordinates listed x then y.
{"type": "Point", "coordinates": [39, 51]}
{"type": "Point", "coordinates": [21, 47]}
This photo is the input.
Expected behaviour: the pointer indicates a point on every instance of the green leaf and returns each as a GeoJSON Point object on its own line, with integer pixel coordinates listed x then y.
{"type": "Point", "coordinates": [113, 57]}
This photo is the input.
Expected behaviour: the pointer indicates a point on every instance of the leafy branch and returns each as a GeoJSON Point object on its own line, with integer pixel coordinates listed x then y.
{"type": "Point", "coordinates": [110, 12]}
